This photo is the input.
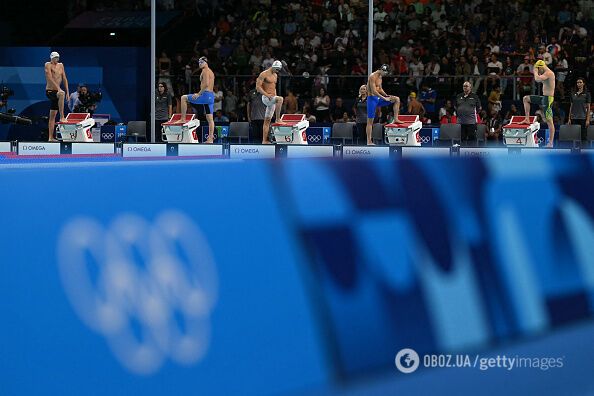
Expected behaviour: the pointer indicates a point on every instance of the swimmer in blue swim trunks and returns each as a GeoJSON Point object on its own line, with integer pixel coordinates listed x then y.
{"type": "Point", "coordinates": [204, 99]}
{"type": "Point", "coordinates": [377, 97]}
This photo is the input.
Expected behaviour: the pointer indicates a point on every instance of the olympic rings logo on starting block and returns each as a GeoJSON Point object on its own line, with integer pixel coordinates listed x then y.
{"type": "Point", "coordinates": [113, 289]}
{"type": "Point", "coordinates": [314, 138]}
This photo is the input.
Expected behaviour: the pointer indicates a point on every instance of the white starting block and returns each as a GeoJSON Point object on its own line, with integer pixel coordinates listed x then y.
{"type": "Point", "coordinates": [76, 128]}
{"type": "Point", "coordinates": [405, 134]}
{"type": "Point", "coordinates": [173, 132]}
{"type": "Point", "coordinates": [290, 129]}
{"type": "Point", "coordinates": [521, 135]}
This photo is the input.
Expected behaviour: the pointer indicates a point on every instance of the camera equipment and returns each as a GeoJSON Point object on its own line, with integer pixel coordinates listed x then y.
{"type": "Point", "coordinates": [87, 102]}
{"type": "Point", "coordinates": [10, 118]}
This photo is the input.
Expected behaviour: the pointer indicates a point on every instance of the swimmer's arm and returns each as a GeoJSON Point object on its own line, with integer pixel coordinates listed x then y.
{"type": "Point", "coordinates": [65, 82]}
{"type": "Point", "coordinates": [259, 85]}
{"type": "Point", "coordinates": [538, 77]}
{"type": "Point", "coordinates": [384, 94]}
{"type": "Point", "coordinates": [587, 114]}
{"type": "Point", "coordinates": [50, 78]}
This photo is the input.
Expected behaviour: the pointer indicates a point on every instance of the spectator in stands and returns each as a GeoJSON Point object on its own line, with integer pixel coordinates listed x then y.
{"type": "Point", "coordinates": [218, 101]}
{"type": "Point", "coordinates": [495, 100]}
{"type": "Point", "coordinates": [581, 100]}
{"type": "Point", "coordinates": [494, 126]}
{"type": "Point", "coordinates": [337, 111]}
{"type": "Point", "coordinates": [231, 105]}
{"type": "Point", "coordinates": [448, 106]}
{"type": "Point", "coordinates": [163, 109]}
{"type": "Point", "coordinates": [544, 55]}
{"type": "Point", "coordinates": [525, 82]}
{"type": "Point", "coordinates": [449, 117]}
{"type": "Point", "coordinates": [509, 72]}
{"type": "Point", "coordinates": [416, 70]}
{"type": "Point", "coordinates": [468, 105]}
{"type": "Point", "coordinates": [494, 70]}
{"type": "Point", "coordinates": [220, 117]}
{"type": "Point", "coordinates": [513, 111]}
{"type": "Point", "coordinates": [164, 65]}
{"type": "Point", "coordinates": [561, 68]}
{"type": "Point", "coordinates": [322, 106]}
{"type": "Point", "coordinates": [463, 68]}
{"type": "Point", "coordinates": [307, 111]}
{"type": "Point", "coordinates": [432, 69]}
{"type": "Point", "coordinates": [256, 110]}
{"type": "Point", "coordinates": [414, 106]}
{"type": "Point", "coordinates": [360, 110]}
{"type": "Point", "coordinates": [290, 102]}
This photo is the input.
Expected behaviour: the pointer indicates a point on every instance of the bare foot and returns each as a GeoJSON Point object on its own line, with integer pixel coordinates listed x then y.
{"type": "Point", "coordinates": [550, 145]}
{"type": "Point", "coordinates": [397, 121]}
{"type": "Point", "coordinates": [180, 121]}
{"type": "Point", "coordinates": [63, 119]}
{"type": "Point", "coordinates": [370, 144]}
{"type": "Point", "coordinates": [525, 121]}
{"type": "Point", "coordinates": [210, 140]}
{"type": "Point", "coordinates": [266, 142]}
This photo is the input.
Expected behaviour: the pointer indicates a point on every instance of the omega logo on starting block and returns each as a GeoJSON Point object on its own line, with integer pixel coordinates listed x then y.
{"type": "Point", "coordinates": [39, 148]}
{"type": "Point", "coordinates": [365, 152]}
{"type": "Point", "coordinates": [251, 151]}
{"type": "Point", "coordinates": [144, 150]}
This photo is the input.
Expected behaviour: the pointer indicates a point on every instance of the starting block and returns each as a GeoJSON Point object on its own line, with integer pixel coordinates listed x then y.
{"type": "Point", "coordinates": [76, 128]}
{"type": "Point", "coordinates": [290, 129]}
{"type": "Point", "coordinates": [406, 134]}
{"type": "Point", "coordinates": [173, 132]}
{"type": "Point", "coordinates": [522, 135]}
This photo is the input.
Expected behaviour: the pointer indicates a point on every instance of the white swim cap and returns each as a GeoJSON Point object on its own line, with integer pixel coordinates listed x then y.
{"type": "Point", "coordinates": [277, 65]}
{"type": "Point", "coordinates": [54, 55]}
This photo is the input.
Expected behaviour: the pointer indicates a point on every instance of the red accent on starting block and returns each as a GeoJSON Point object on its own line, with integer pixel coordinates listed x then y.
{"type": "Point", "coordinates": [290, 119]}
{"type": "Point", "coordinates": [75, 118]}
{"type": "Point", "coordinates": [176, 117]}
{"type": "Point", "coordinates": [407, 121]}
{"type": "Point", "coordinates": [515, 122]}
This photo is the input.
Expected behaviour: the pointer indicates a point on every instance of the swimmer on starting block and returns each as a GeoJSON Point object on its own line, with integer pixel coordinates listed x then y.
{"type": "Point", "coordinates": [54, 76]}
{"type": "Point", "coordinates": [266, 85]}
{"type": "Point", "coordinates": [377, 98]}
{"type": "Point", "coordinates": [545, 75]}
{"type": "Point", "coordinates": [203, 100]}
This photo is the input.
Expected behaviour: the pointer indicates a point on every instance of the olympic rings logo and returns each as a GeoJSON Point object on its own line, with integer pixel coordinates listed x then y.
{"type": "Point", "coordinates": [425, 139]}
{"type": "Point", "coordinates": [107, 135]}
{"type": "Point", "coordinates": [314, 138]}
{"type": "Point", "coordinates": [131, 273]}
{"type": "Point", "coordinates": [540, 140]}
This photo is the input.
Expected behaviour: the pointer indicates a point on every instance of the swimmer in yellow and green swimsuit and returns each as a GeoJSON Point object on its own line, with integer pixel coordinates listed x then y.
{"type": "Point", "coordinates": [546, 76]}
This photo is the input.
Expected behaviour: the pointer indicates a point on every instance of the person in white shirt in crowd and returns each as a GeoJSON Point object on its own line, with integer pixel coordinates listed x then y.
{"type": "Point", "coordinates": [268, 61]}
{"type": "Point", "coordinates": [73, 101]}
{"type": "Point", "coordinates": [218, 98]}
{"type": "Point", "coordinates": [416, 69]}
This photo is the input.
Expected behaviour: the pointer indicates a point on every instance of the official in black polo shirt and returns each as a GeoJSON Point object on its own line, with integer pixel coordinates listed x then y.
{"type": "Point", "coordinates": [579, 111]}
{"type": "Point", "coordinates": [468, 105]}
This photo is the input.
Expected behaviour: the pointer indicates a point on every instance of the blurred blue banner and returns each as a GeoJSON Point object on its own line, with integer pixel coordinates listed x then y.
{"type": "Point", "coordinates": [293, 277]}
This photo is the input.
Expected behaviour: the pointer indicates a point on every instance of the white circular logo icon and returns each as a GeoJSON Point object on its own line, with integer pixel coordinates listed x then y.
{"type": "Point", "coordinates": [407, 360]}
{"type": "Point", "coordinates": [149, 287]}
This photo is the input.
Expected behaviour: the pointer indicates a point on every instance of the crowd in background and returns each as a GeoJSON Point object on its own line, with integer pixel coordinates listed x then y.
{"type": "Point", "coordinates": [491, 43]}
